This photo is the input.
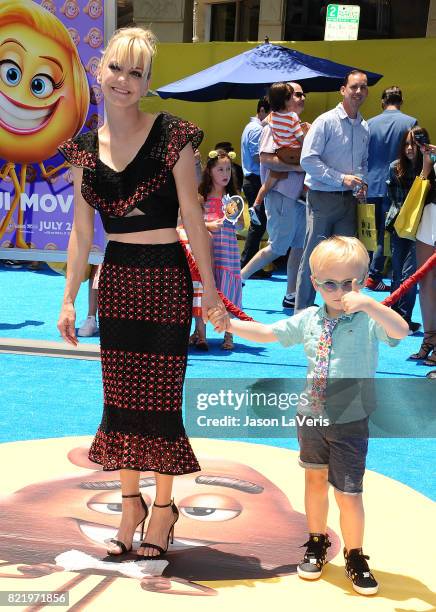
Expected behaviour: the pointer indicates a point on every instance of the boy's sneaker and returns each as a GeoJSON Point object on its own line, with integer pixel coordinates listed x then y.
{"type": "Point", "coordinates": [253, 216]}
{"type": "Point", "coordinates": [376, 285]}
{"type": "Point", "coordinates": [357, 570]}
{"type": "Point", "coordinates": [315, 557]}
{"type": "Point", "coordinates": [88, 327]}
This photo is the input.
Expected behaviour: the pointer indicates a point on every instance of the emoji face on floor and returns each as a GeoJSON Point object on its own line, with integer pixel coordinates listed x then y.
{"type": "Point", "coordinates": [219, 535]}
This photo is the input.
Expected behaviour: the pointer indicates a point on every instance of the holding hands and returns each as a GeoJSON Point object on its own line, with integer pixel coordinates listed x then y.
{"type": "Point", "coordinates": [213, 310]}
{"type": "Point", "coordinates": [219, 320]}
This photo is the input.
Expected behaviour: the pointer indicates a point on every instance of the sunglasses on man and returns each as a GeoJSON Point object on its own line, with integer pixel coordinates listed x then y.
{"type": "Point", "coordinates": [300, 94]}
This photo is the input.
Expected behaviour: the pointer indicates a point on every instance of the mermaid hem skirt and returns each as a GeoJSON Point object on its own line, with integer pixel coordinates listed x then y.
{"type": "Point", "coordinates": [144, 300]}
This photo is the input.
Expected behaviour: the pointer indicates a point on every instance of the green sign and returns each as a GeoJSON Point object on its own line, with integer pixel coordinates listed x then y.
{"type": "Point", "coordinates": [342, 22]}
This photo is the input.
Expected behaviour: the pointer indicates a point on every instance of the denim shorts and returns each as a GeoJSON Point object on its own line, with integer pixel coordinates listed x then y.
{"type": "Point", "coordinates": [341, 448]}
{"type": "Point", "coordinates": [285, 222]}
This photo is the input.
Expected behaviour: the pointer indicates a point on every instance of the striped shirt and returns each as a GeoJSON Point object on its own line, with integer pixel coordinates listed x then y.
{"type": "Point", "coordinates": [286, 129]}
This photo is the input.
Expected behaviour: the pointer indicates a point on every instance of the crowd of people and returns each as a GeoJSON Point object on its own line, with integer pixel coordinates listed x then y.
{"type": "Point", "coordinates": [344, 160]}
{"type": "Point", "coordinates": [303, 183]}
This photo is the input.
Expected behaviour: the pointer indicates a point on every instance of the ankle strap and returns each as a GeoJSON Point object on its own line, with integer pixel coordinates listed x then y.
{"type": "Point", "coordinates": [164, 505]}
{"type": "Point", "coordinates": [136, 495]}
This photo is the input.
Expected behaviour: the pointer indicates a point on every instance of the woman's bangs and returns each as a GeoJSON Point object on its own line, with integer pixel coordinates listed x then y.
{"type": "Point", "coordinates": [132, 53]}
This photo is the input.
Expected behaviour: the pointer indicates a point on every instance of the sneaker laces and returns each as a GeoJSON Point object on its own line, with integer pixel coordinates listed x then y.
{"type": "Point", "coordinates": [316, 549]}
{"type": "Point", "coordinates": [358, 563]}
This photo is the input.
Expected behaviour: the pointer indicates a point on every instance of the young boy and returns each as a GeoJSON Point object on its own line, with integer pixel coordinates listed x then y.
{"type": "Point", "coordinates": [341, 342]}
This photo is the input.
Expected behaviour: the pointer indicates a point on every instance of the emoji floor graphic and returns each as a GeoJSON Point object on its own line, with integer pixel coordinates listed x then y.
{"type": "Point", "coordinates": [237, 541]}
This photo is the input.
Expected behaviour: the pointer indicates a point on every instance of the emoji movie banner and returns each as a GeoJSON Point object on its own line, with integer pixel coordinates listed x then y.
{"type": "Point", "coordinates": [49, 53]}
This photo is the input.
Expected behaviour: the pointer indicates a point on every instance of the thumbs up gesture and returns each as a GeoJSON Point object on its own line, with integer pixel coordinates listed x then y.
{"type": "Point", "coordinates": [353, 301]}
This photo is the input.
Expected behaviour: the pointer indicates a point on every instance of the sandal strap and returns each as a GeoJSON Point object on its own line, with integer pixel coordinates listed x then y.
{"type": "Point", "coordinates": [154, 546]}
{"type": "Point", "coordinates": [136, 495]}
{"type": "Point", "coordinates": [430, 360]}
{"type": "Point", "coordinates": [120, 544]}
{"type": "Point", "coordinates": [163, 505]}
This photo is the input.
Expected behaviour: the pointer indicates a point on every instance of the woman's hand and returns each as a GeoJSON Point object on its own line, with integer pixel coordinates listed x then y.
{"type": "Point", "coordinates": [67, 324]}
{"type": "Point", "coordinates": [427, 163]}
{"type": "Point", "coordinates": [211, 303]}
{"type": "Point", "coordinates": [216, 318]}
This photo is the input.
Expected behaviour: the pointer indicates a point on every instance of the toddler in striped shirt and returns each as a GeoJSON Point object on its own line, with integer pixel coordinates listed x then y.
{"type": "Point", "coordinates": [288, 134]}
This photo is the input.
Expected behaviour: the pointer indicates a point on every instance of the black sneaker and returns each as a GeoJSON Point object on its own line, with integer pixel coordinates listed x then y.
{"type": "Point", "coordinates": [289, 300]}
{"type": "Point", "coordinates": [413, 327]}
{"type": "Point", "coordinates": [357, 570]}
{"type": "Point", "coordinates": [314, 559]}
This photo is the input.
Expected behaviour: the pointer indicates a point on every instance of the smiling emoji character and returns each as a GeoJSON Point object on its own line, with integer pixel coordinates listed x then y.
{"type": "Point", "coordinates": [70, 9]}
{"type": "Point", "coordinates": [94, 9]}
{"type": "Point", "coordinates": [44, 93]}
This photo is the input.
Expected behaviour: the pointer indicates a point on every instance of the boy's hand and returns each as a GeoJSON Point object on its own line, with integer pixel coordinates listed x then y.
{"type": "Point", "coordinates": [354, 301]}
{"type": "Point", "coordinates": [219, 320]}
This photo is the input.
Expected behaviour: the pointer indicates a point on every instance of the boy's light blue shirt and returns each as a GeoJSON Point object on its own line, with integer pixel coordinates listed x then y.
{"type": "Point", "coordinates": [335, 146]}
{"type": "Point", "coordinates": [354, 352]}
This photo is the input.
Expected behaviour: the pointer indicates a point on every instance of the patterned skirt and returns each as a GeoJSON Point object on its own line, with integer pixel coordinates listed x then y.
{"type": "Point", "coordinates": [145, 309]}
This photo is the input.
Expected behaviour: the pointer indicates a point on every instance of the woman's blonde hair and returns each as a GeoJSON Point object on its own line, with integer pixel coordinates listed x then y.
{"type": "Point", "coordinates": [39, 19]}
{"type": "Point", "coordinates": [135, 46]}
{"type": "Point", "coordinates": [339, 249]}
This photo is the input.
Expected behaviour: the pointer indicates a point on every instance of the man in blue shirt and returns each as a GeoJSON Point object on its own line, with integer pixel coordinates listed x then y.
{"type": "Point", "coordinates": [335, 158]}
{"type": "Point", "coordinates": [251, 168]}
{"type": "Point", "coordinates": [386, 131]}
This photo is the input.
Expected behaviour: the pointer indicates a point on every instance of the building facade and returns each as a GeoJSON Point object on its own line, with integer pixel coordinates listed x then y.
{"type": "Point", "coordinates": [252, 20]}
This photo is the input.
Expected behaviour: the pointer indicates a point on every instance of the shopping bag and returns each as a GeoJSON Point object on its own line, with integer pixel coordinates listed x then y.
{"type": "Point", "coordinates": [387, 251]}
{"type": "Point", "coordinates": [367, 232]}
{"type": "Point", "coordinates": [406, 224]}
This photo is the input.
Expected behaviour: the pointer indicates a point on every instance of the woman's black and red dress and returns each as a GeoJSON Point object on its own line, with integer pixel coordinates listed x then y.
{"type": "Point", "coordinates": [144, 302]}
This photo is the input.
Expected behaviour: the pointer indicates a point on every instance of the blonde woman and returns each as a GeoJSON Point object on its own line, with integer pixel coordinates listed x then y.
{"type": "Point", "coordinates": [136, 170]}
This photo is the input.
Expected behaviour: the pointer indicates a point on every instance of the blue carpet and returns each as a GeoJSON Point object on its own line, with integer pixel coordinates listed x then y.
{"type": "Point", "coordinates": [45, 397]}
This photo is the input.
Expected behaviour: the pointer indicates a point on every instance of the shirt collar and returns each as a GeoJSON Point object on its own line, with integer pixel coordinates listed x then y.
{"type": "Point", "coordinates": [343, 114]}
{"type": "Point", "coordinates": [322, 314]}
{"type": "Point", "coordinates": [256, 120]}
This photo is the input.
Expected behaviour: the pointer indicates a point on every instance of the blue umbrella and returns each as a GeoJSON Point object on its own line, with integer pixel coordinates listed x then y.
{"type": "Point", "coordinates": [248, 75]}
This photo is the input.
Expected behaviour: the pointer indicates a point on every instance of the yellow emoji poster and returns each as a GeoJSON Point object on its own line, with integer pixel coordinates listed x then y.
{"type": "Point", "coordinates": [49, 52]}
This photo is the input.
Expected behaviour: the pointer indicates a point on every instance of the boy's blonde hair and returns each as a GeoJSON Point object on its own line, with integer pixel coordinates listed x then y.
{"type": "Point", "coordinates": [134, 46]}
{"type": "Point", "coordinates": [37, 18]}
{"type": "Point", "coordinates": [339, 249]}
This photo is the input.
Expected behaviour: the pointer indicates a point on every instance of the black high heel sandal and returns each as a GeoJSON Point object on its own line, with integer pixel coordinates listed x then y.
{"type": "Point", "coordinates": [124, 549]}
{"type": "Point", "coordinates": [426, 347]}
{"type": "Point", "coordinates": [431, 359]}
{"type": "Point", "coordinates": [170, 537]}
